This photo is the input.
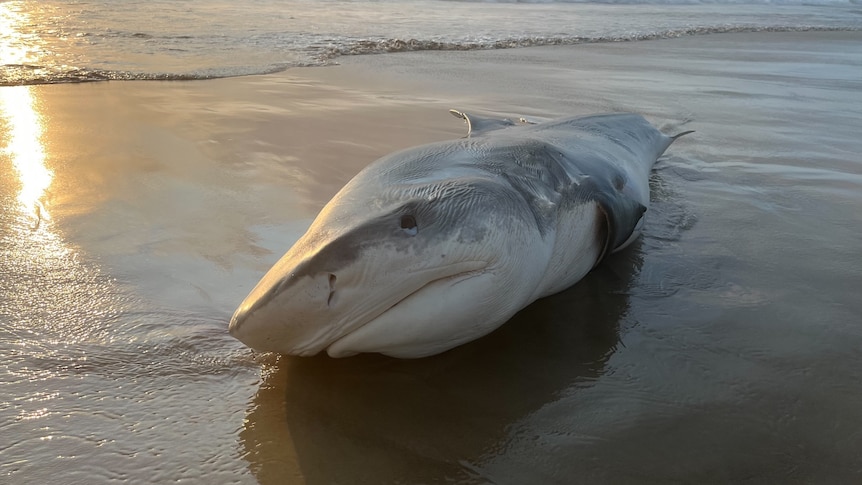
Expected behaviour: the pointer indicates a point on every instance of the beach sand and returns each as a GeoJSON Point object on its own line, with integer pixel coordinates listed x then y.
{"type": "Point", "coordinates": [721, 347]}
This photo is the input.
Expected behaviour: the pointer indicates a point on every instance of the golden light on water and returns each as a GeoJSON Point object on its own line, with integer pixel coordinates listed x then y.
{"type": "Point", "coordinates": [16, 47]}
{"type": "Point", "coordinates": [21, 140]}
{"type": "Point", "coordinates": [24, 146]}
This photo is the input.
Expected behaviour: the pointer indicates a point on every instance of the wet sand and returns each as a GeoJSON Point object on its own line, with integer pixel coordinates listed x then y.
{"type": "Point", "coordinates": [723, 346]}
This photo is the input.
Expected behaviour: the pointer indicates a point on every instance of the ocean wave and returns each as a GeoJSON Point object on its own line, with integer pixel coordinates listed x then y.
{"type": "Point", "coordinates": [326, 51]}
{"type": "Point", "coordinates": [381, 46]}
{"type": "Point", "coordinates": [26, 75]}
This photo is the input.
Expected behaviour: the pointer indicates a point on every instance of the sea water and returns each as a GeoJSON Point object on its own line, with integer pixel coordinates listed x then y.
{"type": "Point", "coordinates": [53, 41]}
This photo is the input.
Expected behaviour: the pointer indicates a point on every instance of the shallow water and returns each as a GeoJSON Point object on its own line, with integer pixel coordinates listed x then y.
{"type": "Point", "coordinates": [723, 346]}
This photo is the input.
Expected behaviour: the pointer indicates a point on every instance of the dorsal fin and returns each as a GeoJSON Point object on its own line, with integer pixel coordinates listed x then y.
{"type": "Point", "coordinates": [476, 125]}
{"type": "Point", "coordinates": [678, 135]}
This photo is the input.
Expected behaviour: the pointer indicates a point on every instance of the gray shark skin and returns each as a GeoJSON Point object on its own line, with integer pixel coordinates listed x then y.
{"type": "Point", "coordinates": [434, 246]}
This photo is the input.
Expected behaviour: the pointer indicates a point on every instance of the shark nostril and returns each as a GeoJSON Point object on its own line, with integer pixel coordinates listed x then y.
{"type": "Point", "coordinates": [331, 289]}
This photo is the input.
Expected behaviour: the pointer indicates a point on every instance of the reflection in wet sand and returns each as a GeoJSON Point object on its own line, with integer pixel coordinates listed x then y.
{"type": "Point", "coordinates": [24, 147]}
{"type": "Point", "coordinates": [371, 419]}
{"type": "Point", "coordinates": [42, 274]}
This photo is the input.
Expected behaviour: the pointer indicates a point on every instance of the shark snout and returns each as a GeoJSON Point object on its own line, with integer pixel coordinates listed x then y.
{"type": "Point", "coordinates": [283, 314]}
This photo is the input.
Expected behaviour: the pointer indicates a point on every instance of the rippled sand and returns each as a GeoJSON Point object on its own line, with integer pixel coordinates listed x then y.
{"type": "Point", "coordinates": [723, 346]}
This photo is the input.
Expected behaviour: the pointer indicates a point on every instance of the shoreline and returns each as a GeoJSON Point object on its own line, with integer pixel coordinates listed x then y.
{"type": "Point", "coordinates": [400, 46]}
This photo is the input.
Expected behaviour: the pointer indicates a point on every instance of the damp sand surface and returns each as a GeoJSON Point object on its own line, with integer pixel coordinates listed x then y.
{"type": "Point", "coordinates": [723, 346]}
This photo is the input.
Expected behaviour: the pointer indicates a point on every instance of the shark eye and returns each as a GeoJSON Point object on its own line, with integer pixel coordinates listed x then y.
{"type": "Point", "coordinates": [408, 223]}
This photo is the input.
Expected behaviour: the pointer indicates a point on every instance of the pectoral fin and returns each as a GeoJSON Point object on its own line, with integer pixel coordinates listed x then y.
{"type": "Point", "coordinates": [621, 216]}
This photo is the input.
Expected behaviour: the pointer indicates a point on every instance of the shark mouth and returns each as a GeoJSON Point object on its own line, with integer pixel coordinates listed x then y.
{"type": "Point", "coordinates": [340, 347]}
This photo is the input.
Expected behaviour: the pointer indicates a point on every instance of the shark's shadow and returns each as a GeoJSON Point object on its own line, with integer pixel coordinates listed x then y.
{"type": "Point", "coordinates": [373, 419]}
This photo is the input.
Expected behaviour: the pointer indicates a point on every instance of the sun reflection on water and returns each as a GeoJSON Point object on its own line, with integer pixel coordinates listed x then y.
{"type": "Point", "coordinates": [13, 49]}
{"type": "Point", "coordinates": [24, 147]}
{"type": "Point", "coordinates": [21, 48]}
